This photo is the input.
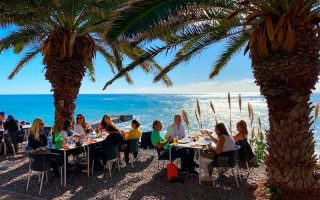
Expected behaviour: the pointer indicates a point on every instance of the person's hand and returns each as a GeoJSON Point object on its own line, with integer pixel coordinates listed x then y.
{"type": "Point", "coordinates": [205, 132]}
{"type": "Point", "coordinates": [170, 138]}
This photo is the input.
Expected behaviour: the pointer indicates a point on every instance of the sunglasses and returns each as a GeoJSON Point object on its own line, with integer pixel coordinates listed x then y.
{"type": "Point", "coordinates": [42, 124]}
{"type": "Point", "coordinates": [80, 118]}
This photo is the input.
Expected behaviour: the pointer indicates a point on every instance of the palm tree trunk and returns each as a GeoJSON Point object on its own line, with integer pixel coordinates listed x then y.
{"type": "Point", "coordinates": [65, 77]}
{"type": "Point", "coordinates": [286, 81]}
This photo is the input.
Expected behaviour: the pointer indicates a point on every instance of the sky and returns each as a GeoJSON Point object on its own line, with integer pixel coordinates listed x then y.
{"type": "Point", "coordinates": [188, 78]}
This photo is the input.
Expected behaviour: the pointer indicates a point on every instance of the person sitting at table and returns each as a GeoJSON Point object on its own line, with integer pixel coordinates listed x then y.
{"type": "Point", "coordinates": [224, 143]}
{"type": "Point", "coordinates": [163, 146]}
{"type": "Point", "coordinates": [134, 133]}
{"type": "Point", "coordinates": [11, 126]}
{"type": "Point", "coordinates": [37, 136]}
{"type": "Point", "coordinates": [176, 129]}
{"type": "Point", "coordinates": [108, 126]}
{"type": "Point", "coordinates": [81, 126]}
{"type": "Point", "coordinates": [241, 138]}
{"type": "Point", "coordinates": [67, 130]}
{"type": "Point", "coordinates": [2, 120]}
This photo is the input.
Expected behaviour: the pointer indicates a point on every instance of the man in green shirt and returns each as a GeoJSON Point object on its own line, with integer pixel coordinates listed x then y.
{"type": "Point", "coordinates": [163, 146]}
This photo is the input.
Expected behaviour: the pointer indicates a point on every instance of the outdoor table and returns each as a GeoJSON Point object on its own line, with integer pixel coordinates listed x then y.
{"type": "Point", "coordinates": [65, 148]}
{"type": "Point", "coordinates": [198, 145]}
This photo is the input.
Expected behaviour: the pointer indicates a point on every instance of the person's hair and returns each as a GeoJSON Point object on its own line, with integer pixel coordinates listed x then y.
{"type": "Point", "coordinates": [35, 128]}
{"type": "Point", "coordinates": [83, 124]}
{"type": "Point", "coordinates": [243, 126]}
{"type": "Point", "coordinates": [155, 122]}
{"type": "Point", "coordinates": [103, 123]}
{"type": "Point", "coordinates": [136, 123]}
{"type": "Point", "coordinates": [222, 129]}
{"type": "Point", "coordinates": [66, 124]}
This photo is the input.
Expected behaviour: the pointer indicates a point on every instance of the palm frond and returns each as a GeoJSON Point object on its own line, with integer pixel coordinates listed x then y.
{"type": "Point", "coordinates": [25, 60]}
{"type": "Point", "coordinates": [233, 47]}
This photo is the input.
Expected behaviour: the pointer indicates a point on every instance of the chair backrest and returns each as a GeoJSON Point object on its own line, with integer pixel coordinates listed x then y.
{"type": "Point", "coordinates": [232, 157]}
{"type": "Point", "coordinates": [21, 136]}
{"type": "Point", "coordinates": [133, 145]}
{"type": "Point", "coordinates": [146, 140]}
{"type": "Point", "coordinates": [111, 151]}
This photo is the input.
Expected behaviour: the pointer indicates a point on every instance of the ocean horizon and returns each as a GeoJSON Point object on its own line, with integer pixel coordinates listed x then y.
{"type": "Point", "coordinates": [147, 108]}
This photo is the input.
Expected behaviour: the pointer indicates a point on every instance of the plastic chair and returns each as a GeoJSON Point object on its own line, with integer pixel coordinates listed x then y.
{"type": "Point", "coordinates": [231, 163]}
{"type": "Point", "coordinates": [133, 147]}
{"type": "Point", "coordinates": [111, 154]}
{"type": "Point", "coordinates": [40, 162]}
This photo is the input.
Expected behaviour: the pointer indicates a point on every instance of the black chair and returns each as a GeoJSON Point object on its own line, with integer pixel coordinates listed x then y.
{"type": "Point", "coordinates": [162, 159]}
{"type": "Point", "coordinates": [110, 153]}
{"type": "Point", "coordinates": [227, 160]}
{"type": "Point", "coordinates": [42, 162]}
{"type": "Point", "coordinates": [133, 147]}
{"type": "Point", "coordinates": [146, 140]}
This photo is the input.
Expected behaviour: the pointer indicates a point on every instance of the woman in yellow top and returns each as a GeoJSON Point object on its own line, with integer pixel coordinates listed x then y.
{"type": "Point", "coordinates": [133, 134]}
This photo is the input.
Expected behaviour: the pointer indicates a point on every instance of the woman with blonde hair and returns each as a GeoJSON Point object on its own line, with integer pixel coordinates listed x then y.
{"type": "Point", "coordinates": [37, 137]}
{"type": "Point", "coordinates": [241, 138]}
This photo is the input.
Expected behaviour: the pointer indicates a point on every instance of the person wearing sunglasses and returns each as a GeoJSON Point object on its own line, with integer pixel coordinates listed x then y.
{"type": "Point", "coordinates": [37, 136]}
{"type": "Point", "coordinates": [81, 125]}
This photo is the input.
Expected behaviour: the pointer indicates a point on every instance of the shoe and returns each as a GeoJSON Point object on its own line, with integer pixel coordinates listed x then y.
{"type": "Point", "coordinates": [193, 172]}
{"type": "Point", "coordinates": [196, 164]}
{"type": "Point", "coordinates": [206, 178]}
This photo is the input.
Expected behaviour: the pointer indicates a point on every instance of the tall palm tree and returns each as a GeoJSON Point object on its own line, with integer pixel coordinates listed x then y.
{"type": "Point", "coordinates": [68, 33]}
{"type": "Point", "coordinates": [282, 38]}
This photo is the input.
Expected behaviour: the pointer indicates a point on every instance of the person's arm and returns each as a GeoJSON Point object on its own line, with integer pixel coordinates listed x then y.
{"type": "Point", "coordinates": [211, 137]}
{"type": "Point", "coordinates": [160, 145]}
{"type": "Point", "coordinates": [220, 145]}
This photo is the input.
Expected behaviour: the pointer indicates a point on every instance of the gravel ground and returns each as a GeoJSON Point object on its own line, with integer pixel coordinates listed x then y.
{"type": "Point", "coordinates": [143, 181]}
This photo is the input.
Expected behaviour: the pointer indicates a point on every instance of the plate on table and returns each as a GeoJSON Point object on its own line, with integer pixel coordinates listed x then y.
{"type": "Point", "coordinates": [183, 141]}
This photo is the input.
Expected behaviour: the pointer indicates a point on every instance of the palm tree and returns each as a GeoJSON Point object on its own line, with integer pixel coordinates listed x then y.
{"type": "Point", "coordinates": [282, 37]}
{"type": "Point", "coordinates": [68, 33]}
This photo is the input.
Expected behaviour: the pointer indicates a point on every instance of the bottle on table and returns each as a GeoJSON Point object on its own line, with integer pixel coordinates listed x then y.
{"type": "Point", "coordinates": [57, 140]}
{"type": "Point", "coordinates": [50, 140]}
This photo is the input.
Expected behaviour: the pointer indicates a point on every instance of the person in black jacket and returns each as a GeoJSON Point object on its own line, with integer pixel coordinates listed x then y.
{"type": "Point", "coordinates": [12, 127]}
{"type": "Point", "coordinates": [37, 137]}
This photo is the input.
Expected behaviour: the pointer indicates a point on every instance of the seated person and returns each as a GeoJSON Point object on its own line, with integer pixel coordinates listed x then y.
{"type": "Point", "coordinates": [12, 127]}
{"type": "Point", "coordinates": [81, 126]}
{"type": "Point", "coordinates": [134, 133]}
{"type": "Point", "coordinates": [108, 126]}
{"type": "Point", "coordinates": [224, 143]}
{"type": "Point", "coordinates": [37, 136]}
{"type": "Point", "coordinates": [176, 129]}
{"type": "Point", "coordinates": [163, 145]}
{"type": "Point", "coordinates": [115, 134]}
{"type": "Point", "coordinates": [241, 138]}
{"type": "Point", "coordinates": [2, 120]}
{"type": "Point", "coordinates": [67, 130]}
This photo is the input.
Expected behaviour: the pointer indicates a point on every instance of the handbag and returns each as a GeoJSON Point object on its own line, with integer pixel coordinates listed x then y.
{"type": "Point", "coordinates": [172, 172]}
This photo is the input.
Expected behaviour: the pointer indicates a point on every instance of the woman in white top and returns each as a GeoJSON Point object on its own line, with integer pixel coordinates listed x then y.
{"type": "Point", "coordinates": [224, 143]}
{"type": "Point", "coordinates": [81, 125]}
{"type": "Point", "coordinates": [67, 130]}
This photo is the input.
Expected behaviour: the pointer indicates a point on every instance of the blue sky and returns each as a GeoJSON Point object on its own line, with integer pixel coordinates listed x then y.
{"type": "Point", "coordinates": [191, 77]}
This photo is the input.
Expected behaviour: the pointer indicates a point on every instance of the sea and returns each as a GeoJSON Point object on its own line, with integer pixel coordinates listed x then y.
{"type": "Point", "coordinates": [148, 107]}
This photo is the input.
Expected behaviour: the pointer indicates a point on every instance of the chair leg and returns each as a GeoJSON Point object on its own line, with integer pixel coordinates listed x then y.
{"type": "Point", "coordinates": [214, 177]}
{"type": "Point", "coordinates": [238, 172]}
{"type": "Point", "coordinates": [92, 167]}
{"type": "Point", "coordinates": [61, 177]}
{"type": "Point", "coordinates": [248, 169]}
{"type": "Point", "coordinates": [118, 164]}
{"type": "Point", "coordinates": [110, 166]}
{"type": "Point", "coordinates": [14, 150]}
{"type": "Point", "coordinates": [42, 176]}
{"type": "Point", "coordinates": [47, 179]}
{"type": "Point", "coordinates": [29, 176]}
{"type": "Point", "coordinates": [158, 164]}
{"type": "Point", "coordinates": [235, 177]}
